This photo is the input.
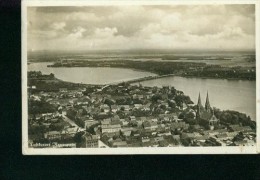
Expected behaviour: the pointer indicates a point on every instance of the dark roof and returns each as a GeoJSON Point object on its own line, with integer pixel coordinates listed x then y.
{"type": "Point", "coordinates": [163, 143]}
{"type": "Point", "coordinates": [146, 124]}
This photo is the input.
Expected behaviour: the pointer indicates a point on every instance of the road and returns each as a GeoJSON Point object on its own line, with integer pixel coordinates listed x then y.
{"type": "Point", "coordinates": [102, 145]}
{"type": "Point", "coordinates": [72, 123]}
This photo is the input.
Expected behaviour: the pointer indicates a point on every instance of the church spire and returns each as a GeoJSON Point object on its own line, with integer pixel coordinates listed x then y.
{"type": "Point", "coordinates": [207, 104]}
{"type": "Point", "coordinates": [199, 101]}
{"type": "Point", "coordinates": [198, 107]}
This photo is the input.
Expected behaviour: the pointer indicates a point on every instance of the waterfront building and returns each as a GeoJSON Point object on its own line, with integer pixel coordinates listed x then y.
{"type": "Point", "coordinates": [206, 114]}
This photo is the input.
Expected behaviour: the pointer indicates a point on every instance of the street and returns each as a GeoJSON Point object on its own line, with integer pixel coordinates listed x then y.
{"type": "Point", "coordinates": [72, 123]}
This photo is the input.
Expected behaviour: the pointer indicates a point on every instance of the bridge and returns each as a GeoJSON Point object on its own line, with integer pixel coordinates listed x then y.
{"type": "Point", "coordinates": [138, 80]}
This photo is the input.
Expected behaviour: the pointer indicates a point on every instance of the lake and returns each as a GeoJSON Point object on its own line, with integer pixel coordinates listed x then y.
{"type": "Point", "coordinates": [90, 75]}
{"type": "Point", "coordinates": [239, 95]}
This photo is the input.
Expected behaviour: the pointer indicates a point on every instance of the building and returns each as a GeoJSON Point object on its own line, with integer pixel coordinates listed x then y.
{"type": "Point", "coordinates": [63, 90]}
{"type": "Point", "coordinates": [69, 132]}
{"type": "Point", "coordinates": [138, 106]}
{"type": "Point", "coordinates": [86, 121]}
{"type": "Point", "coordinates": [111, 128]}
{"type": "Point", "coordinates": [91, 141]}
{"type": "Point", "coordinates": [125, 107]}
{"type": "Point", "coordinates": [213, 121]}
{"type": "Point", "coordinates": [146, 125]}
{"type": "Point", "coordinates": [119, 143]}
{"type": "Point", "coordinates": [105, 108]}
{"type": "Point", "coordinates": [206, 113]}
{"type": "Point", "coordinates": [200, 113]}
{"type": "Point", "coordinates": [168, 117]}
{"type": "Point", "coordinates": [52, 135]}
{"type": "Point", "coordinates": [179, 125]}
{"type": "Point", "coordinates": [114, 108]}
{"type": "Point", "coordinates": [207, 104]}
{"type": "Point", "coordinates": [132, 118]}
{"type": "Point", "coordinates": [105, 123]}
{"type": "Point", "coordinates": [126, 131]}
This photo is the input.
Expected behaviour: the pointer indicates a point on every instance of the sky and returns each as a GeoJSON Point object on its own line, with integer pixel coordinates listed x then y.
{"type": "Point", "coordinates": [195, 27]}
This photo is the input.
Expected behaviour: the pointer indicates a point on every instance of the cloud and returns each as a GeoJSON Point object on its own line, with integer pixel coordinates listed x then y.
{"type": "Point", "coordinates": [77, 33]}
{"type": "Point", "coordinates": [117, 27]}
{"type": "Point", "coordinates": [58, 25]}
{"type": "Point", "coordinates": [81, 16]}
{"type": "Point", "coordinates": [105, 32]}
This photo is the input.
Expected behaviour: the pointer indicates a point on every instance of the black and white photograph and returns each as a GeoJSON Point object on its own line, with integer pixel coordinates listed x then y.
{"type": "Point", "coordinates": [140, 77]}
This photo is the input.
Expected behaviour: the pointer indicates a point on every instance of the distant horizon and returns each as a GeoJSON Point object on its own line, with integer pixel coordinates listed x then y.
{"type": "Point", "coordinates": [148, 50]}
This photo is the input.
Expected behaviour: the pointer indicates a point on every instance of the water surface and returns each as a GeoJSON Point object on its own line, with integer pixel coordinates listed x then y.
{"type": "Point", "coordinates": [239, 95]}
{"type": "Point", "coordinates": [90, 75]}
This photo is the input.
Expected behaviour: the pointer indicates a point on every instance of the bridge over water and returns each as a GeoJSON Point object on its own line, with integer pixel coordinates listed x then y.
{"type": "Point", "coordinates": [138, 80]}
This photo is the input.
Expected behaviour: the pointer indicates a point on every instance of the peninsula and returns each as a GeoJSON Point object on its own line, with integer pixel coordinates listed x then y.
{"type": "Point", "coordinates": [187, 69]}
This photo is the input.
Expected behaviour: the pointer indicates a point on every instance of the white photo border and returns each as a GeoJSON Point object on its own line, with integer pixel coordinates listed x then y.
{"type": "Point", "coordinates": [140, 150]}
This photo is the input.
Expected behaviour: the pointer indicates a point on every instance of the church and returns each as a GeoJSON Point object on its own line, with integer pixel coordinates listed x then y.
{"type": "Point", "coordinates": [206, 113]}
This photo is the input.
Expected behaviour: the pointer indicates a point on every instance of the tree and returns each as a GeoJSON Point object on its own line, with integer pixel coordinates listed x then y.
{"type": "Point", "coordinates": [39, 129]}
{"type": "Point", "coordinates": [52, 75]}
{"type": "Point", "coordinates": [122, 108]}
{"type": "Point", "coordinates": [56, 126]}
{"type": "Point", "coordinates": [191, 121]}
{"type": "Point", "coordinates": [189, 115]}
{"type": "Point", "coordinates": [140, 113]}
{"type": "Point", "coordinates": [172, 104]}
{"type": "Point", "coordinates": [89, 90]}
{"type": "Point", "coordinates": [163, 107]}
{"type": "Point", "coordinates": [180, 99]}
{"type": "Point", "coordinates": [80, 139]}
{"type": "Point", "coordinates": [91, 129]}
{"type": "Point", "coordinates": [109, 102]}
{"type": "Point", "coordinates": [156, 97]}
{"type": "Point", "coordinates": [173, 91]}
{"type": "Point", "coordinates": [39, 107]}
{"type": "Point", "coordinates": [234, 117]}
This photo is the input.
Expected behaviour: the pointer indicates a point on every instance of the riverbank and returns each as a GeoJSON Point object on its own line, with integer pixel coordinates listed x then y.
{"type": "Point", "coordinates": [42, 82]}
{"type": "Point", "coordinates": [220, 78]}
{"type": "Point", "coordinates": [185, 69]}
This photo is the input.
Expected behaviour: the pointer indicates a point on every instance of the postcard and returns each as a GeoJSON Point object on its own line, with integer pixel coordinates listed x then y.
{"type": "Point", "coordinates": [140, 77]}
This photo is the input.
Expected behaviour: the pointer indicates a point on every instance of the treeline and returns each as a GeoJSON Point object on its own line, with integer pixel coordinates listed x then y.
{"type": "Point", "coordinates": [38, 75]}
{"type": "Point", "coordinates": [160, 68]}
{"type": "Point", "coordinates": [174, 57]}
{"type": "Point", "coordinates": [226, 117]}
{"type": "Point", "coordinates": [234, 117]}
{"type": "Point", "coordinates": [42, 85]}
{"type": "Point", "coordinates": [226, 73]}
{"type": "Point", "coordinates": [50, 83]}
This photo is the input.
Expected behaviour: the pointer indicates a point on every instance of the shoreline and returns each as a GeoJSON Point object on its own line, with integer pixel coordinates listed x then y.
{"type": "Point", "coordinates": [72, 85]}
{"type": "Point", "coordinates": [156, 74]}
{"type": "Point", "coordinates": [150, 71]}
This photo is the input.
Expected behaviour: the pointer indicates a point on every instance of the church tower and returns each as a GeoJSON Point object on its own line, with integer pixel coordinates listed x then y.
{"type": "Point", "coordinates": [207, 105]}
{"type": "Point", "coordinates": [199, 108]}
{"type": "Point", "coordinates": [213, 121]}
